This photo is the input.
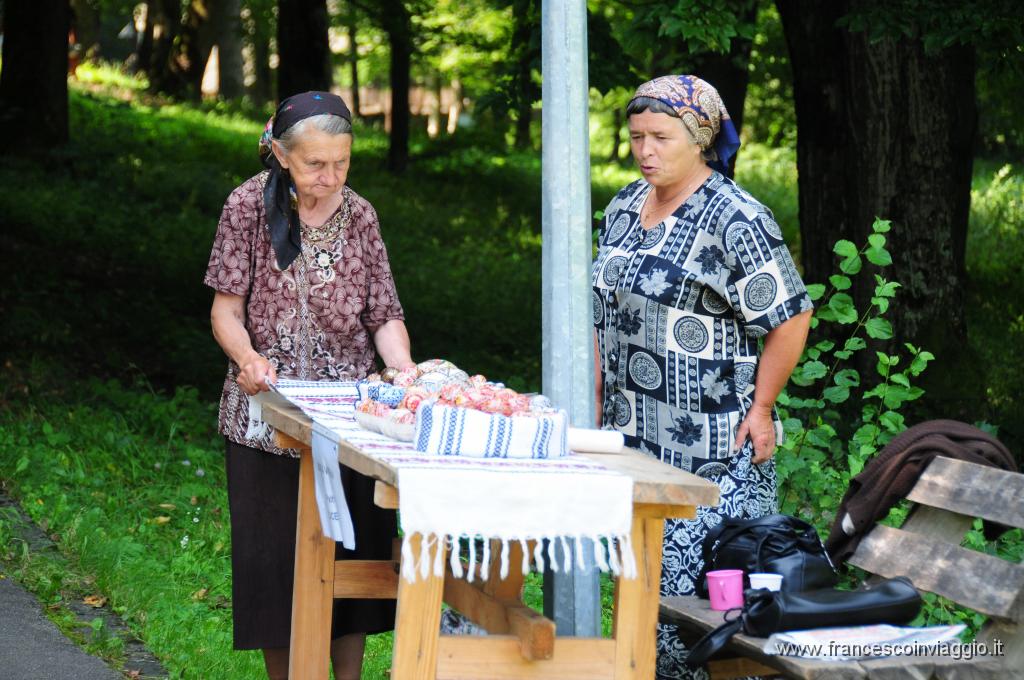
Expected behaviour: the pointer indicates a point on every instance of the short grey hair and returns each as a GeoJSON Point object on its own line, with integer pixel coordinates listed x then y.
{"type": "Point", "coordinates": [324, 122]}
{"type": "Point", "coordinates": [641, 104]}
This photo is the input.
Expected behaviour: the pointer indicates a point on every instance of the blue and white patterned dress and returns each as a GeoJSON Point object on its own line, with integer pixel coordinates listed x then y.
{"type": "Point", "coordinates": [678, 310]}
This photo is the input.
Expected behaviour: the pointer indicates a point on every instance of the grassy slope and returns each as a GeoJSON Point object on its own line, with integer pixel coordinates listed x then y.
{"type": "Point", "coordinates": [112, 238]}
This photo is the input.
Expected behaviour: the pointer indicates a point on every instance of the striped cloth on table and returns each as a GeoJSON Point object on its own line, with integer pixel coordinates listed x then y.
{"type": "Point", "coordinates": [455, 499]}
{"type": "Point", "coordinates": [453, 431]}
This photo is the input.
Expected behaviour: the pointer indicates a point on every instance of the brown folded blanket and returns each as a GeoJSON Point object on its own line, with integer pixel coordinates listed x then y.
{"type": "Point", "coordinates": [891, 475]}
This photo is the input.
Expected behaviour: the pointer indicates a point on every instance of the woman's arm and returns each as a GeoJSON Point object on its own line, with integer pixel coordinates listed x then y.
{"type": "Point", "coordinates": [782, 348]}
{"type": "Point", "coordinates": [393, 345]}
{"type": "Point", "coordinates": [228, 320]}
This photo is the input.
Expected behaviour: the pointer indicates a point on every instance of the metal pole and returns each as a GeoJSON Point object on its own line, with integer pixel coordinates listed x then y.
{"type": "Point", "coordinates": [573, 599]}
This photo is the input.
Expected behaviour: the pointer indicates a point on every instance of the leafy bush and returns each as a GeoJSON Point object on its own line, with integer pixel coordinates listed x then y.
{"type": "Point", "coordinates": [835, 419]}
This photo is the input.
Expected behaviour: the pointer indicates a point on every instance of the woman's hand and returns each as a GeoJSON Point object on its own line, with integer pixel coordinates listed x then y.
{"type": "Point", "coordinates": [227, 316]}
{"type": "Point", "coordinates": [254, 374]}
{"type": "Point", "coordinates": [758, 425]}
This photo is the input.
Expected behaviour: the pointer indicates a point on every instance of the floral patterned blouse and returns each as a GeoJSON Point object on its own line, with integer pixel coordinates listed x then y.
{"type": "Point", "coordinates": [313, 320]}
{"type": "Point", "coordinates": [678, 310]}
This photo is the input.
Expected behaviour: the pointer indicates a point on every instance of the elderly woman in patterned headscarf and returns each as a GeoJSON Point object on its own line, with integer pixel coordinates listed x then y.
{"type": "Point", "coordinates": [303, 290]}
{"type": "Point", "coordinates": [691, 275]}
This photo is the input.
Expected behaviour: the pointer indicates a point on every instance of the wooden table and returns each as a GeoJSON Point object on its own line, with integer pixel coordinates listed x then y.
{"type": "Point", "coordinates": [522, 643]}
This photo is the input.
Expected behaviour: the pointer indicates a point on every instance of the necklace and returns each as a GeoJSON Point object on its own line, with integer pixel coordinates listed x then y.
{"type": "Point", "coordinates": [329, 230]}
{"type": "Point", "coordinates": [652, 197]}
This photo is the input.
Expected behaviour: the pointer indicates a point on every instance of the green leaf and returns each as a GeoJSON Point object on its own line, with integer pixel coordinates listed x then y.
{"type": "Point", "coordinates": [886, 288]}
{"type": "Point", "coordinates": [840, 282]}
{"type": "Point", "coordinates": [878, 328]}
{"type": "Point", "coordinates": [848, 377]}
{"type": "Point", "coordinates": [851, 265]}
{"type": "Point", "coordinates": [881, 226]}
{"type": "Point", "coordinates": [837, 395]}
{"type": "Point", "coordinates": [883, 358]}
{"type": "Point", "coordinates": [854, 344]}
{"type": "Point", "coordinates": [876, 241]}
{"type": "Point", "coordinates": [825, 345]}
{"type": "Point", "coordinates": [843, 354]}
{"type": "Point", "coordinates": [814, 370]}
{"type": "Point", "coordinates": [882, 304]}
{"type": "Point", "coordinates": [866, 434]}
{"type": "Point", "coordinates": [813, 352]}
{"type": "Point", "coordinates": [22, 464]}
{"type": "Point", "coordinates": [842, 305]}
{"type": "Point", "coordinates": [815, 291]}
{"type": "Point", "coordinates": [920, 362]}
{"type": "Point", "coordinates": [892, 421]}
{"type": "Point", "coordinates": [879, 256]}
{"type": "Point", "coordinates": [900, 379]}
{"type": "Point", "coordinates": [844, 248]}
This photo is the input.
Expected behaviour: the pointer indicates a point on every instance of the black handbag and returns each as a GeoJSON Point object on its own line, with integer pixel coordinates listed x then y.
{"type": "Point", "coordinates": [776, 544]}
{"type": "Point", "coordinates": [764, 612]}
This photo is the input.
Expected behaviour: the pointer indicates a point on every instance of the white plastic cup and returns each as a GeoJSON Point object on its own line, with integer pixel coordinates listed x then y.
{"type": "Point", "coordinates": [769, 581]}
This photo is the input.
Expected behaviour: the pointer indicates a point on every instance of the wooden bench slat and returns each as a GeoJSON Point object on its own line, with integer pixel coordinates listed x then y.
{"type": "Point", "coordinates": [971, 489]}
{"type": "Point", "coordinates": [940, 568]}
{"type": "Point", "coordinates": [695, 616]}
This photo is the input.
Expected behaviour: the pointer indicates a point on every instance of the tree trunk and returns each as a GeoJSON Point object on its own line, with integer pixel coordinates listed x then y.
{"type": "Point", "coordinates": [455, 110]}
{"type": "Point", "coordinates": [260, 35]}
{"type": "Point", "coordinates": [144, 48]}
{"type": "Point", "coordinates": [198, 34]}
{"type": "Point", "coordinates": [885, 130]}
{"type": "Point", "coordinates": [86, 20]}
{"type": "Point", "coordinates": [434, 105]}
{"type": "Point", "coordinates": [305, 56]}
{"type": "Point", "coordinates": [34, 79]}
{"type": "Point", "coordinates": [166, 24]}
{"type": "Point", "coordinates": [227, 25]}
{"type": "Point", "coordinates": [353, 64]}
{"type": "Point", "coordinates": [395, 19]}
{"type": "Point", "coordinates": [524, 51]}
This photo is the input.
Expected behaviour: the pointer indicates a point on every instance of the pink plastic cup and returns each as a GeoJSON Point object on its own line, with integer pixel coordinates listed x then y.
{"type": "Point", "coordinates": [725, 588]}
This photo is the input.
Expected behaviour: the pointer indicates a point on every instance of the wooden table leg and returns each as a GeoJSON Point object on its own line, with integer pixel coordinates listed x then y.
{"type": "Point", "coordinates": [313, 592]}
{"type": "Point", "coordinates": [418, 619]}
{"type": "Point", "coordinates": [636, 604]}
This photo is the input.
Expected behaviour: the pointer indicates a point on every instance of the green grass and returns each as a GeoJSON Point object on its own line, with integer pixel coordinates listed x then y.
{"type": "Point", "coordinates": [111, 376]}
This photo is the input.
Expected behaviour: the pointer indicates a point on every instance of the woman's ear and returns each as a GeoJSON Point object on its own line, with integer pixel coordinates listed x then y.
{"type": "Point", "coordinates": [279, 153]}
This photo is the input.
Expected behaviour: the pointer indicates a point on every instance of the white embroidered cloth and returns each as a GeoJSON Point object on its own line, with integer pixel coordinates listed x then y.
{"type": "Point", "coordinates": [457, 499]}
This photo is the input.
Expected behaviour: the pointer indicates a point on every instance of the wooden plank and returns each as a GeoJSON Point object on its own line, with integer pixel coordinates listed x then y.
{"type": "Point", "coordinates": [739, 667]}
{"type": "Point", "coordinates": [656, 482]}
{"type": "Point", "coordinates": [418, 620]}
{"type": "Point", "coordinates": [535, 632]}
{"type": "Point", "coordinates": [313, 591]}
{"type": "Point", "coordinates": [973, 490]}
{"type": "Point", "coordinates": [695, 618]}
{"type": "Point", "coordinates": [497, 657]}
{"type": "Point", "coordinates": [661, 511]}
{"type": "Point", "coordinates": [982, 582]}
{"type": "Point", "coordinates": [366, 579]}
{"type": "Point", "coordinates": [385, 496]}
{"type": "Point", "coordinates": [938, 667]}
{"type": "Point", "coordinates": [509, 589]}
{"type": "Point", "coordinates": [942, 525]}
{"type": "Point", "coordinates": [636, 604]}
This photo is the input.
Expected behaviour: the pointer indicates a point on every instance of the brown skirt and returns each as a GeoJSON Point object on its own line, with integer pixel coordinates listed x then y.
{"type": "Point", "coordinates": [263, 494]}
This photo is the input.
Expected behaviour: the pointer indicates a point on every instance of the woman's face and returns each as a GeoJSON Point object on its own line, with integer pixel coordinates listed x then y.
{"type": "Point", "coordinates": [663, 148]}
{"type": "Point", "coordinates": [318, 162]}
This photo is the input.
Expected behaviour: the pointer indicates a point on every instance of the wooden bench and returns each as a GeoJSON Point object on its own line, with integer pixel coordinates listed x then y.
{"type": "Point", "coordinates": [947, 497]}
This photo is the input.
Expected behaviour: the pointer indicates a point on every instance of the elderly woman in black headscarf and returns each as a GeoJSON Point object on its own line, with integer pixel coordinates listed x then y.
{"type": "Point", "coordinates": [303, 290]}
{"type": "Point", "coordinates": [691, 274]}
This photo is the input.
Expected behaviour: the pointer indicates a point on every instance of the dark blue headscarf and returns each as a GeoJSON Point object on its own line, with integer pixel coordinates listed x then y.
{"type": "Point", "coordinates": [279, 194]}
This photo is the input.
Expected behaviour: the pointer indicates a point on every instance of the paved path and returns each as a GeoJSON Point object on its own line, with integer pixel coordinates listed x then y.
{"type": "Point", "coordinates": [32, 648]}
